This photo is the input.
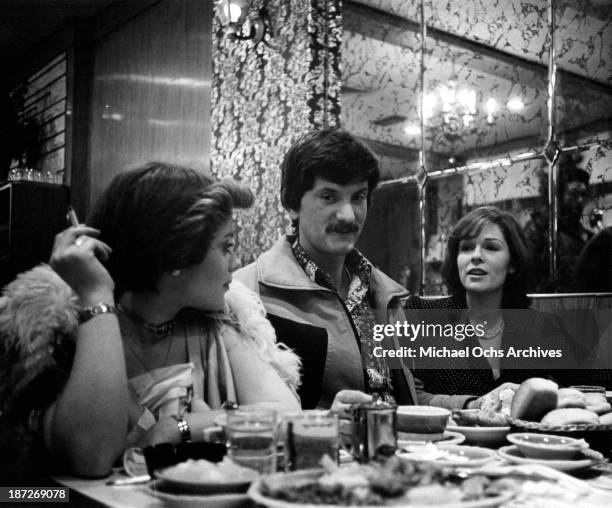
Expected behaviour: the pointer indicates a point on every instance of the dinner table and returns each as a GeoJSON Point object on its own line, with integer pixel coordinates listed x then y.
{"type": "Point", "coordinates": [588, 488]}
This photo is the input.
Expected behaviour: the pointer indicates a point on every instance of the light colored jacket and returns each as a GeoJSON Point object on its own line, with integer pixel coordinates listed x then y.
{"type": "Point", "coordinates": [289, 295]}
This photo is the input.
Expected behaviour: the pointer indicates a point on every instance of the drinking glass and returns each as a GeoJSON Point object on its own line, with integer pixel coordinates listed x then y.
{"type": "Point", "coordinates": [594, 394]}
{"type": "Point", "coordinates": [308, 437]}
{"type": "Point", "coordinates": [590, 389]}
{"type": "Point", "coordinates": [251, 439]}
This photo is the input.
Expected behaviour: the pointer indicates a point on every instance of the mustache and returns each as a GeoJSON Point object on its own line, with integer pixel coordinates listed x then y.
{"type": "Point", "coordinates": [342, 227]}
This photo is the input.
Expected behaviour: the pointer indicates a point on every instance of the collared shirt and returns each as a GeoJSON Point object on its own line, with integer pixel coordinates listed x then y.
{"type": "Point", "coordinates": [360, 311]}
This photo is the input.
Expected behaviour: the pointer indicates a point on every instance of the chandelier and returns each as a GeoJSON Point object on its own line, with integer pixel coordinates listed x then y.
{"type": "Point", "coordinates": [455, 110]}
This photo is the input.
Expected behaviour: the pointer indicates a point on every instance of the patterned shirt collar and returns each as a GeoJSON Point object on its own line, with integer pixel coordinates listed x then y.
{"type": "Point", "coordinates": [355, 262]}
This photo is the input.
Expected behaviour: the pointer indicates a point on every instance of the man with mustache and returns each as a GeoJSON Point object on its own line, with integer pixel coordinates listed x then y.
{"type": "Point", "coordinates": [322, 295]}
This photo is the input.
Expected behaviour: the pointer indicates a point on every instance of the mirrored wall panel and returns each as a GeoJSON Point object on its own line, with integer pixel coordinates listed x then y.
{"type": "Point", "coordinates": [493, 127]}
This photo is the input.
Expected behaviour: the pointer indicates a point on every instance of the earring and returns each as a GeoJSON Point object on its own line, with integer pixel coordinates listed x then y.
{"type": "Point", "coordinates": [175, 273]}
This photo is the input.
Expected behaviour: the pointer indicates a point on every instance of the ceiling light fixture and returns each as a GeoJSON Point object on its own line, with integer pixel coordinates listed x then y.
{"type": "Point", "coordinates": [491, 108]}
{"type": "Point", "coordinates": [515, 104]}
{"type": "Point", "coordinates": [412, 130]}
{"type": "Point", "coordinates": [238, 24]}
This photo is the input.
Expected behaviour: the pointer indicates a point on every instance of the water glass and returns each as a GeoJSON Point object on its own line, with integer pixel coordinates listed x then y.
{"type": "Point", "coordinates": [251, 439]}
{"type": "Point", "coordinates": [594, 394]}
{"type": "Point", "coordinates": [590, 389]}
{"type": "Point", "coordinates": [308, 437]}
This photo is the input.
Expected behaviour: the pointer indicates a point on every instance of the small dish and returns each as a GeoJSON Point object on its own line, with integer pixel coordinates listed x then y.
{"type": "Point", "coordinates": [482, 436]}
{"type": "Point", "coordinates": [452, 455]}
{"type": "Point", "coordinates": [422, 419]}
{"type": "Point", "coordinates": [547, 446]}
{"type": "Point", "coordinates": [586, 458]}
{"type": "Point", "coordinates": [203, 477]}
{"type": "Point", "coordinates": [171, 499]}
{"type": "Point", "coordinates": [444, 438]}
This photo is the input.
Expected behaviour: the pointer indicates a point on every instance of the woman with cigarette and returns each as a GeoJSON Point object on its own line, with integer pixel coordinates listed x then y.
{"type": "Point", "coordinates": [486, 268]}
{"type": "Point", "coordinates": [164, 336]}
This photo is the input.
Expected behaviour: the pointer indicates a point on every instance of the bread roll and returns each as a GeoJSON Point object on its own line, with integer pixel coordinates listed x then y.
{"type": "Point", "coordinates": [534, 398]}
{"type": "Point", "coordinates": [570, 415]}
{"type": "Point", "coordinates": [570, 397]}
{"type": "Point", "coordinates": [606, 419]}
{"type": "Point", "coordinates": [601, 409]}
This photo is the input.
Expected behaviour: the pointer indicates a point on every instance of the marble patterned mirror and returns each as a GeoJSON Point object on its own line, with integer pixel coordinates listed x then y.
{"type": "Point", "coordinates": [490, 134]}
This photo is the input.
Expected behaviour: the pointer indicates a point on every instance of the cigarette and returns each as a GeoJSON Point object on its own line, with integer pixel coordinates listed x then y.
{"type": "Point", "coordinates": [71, 216]}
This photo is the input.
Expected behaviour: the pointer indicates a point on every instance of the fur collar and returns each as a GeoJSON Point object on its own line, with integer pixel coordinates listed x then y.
{"type": "Point", "coordinates": [250, 312]}
{"type": "Point", "coordinates": [39, 311]}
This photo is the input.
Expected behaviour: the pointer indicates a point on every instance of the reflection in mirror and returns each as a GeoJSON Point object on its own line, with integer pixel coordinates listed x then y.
{"type": "Point", "coordinates": [485, 118]}
{"type": "Point", "coordinates": [583, 121]}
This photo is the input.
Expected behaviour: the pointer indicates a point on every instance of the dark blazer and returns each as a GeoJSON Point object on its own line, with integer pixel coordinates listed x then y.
{"type": "Point", "coordinates": [523, 329]}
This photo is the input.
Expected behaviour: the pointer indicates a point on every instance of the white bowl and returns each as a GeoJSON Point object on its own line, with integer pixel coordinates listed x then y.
{"type": "Point", "coordinates": [547, 446]}
{"type": "Point", "coordinates": [422, 419]}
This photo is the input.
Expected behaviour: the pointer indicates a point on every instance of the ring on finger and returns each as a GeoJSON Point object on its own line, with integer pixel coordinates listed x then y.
{"type": "Point", "coordinates": [79, 241]}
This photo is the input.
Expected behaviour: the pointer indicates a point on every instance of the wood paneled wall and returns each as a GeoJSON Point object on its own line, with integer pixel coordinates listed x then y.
{"type": "Point", "coordinates": [151, 92]}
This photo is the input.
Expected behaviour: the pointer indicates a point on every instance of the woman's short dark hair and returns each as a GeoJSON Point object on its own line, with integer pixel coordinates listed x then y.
{"type": "Point", "coordinates": [332, 154]}
{"type": "Point", "coordinates": [470, 226]}
{"type": "Point", "coordinates": [161, 217]}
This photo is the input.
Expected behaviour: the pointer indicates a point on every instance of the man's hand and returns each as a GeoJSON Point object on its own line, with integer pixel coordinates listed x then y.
{"type": "Point", "coordinates": [496, 399]}
{"type": "Point", "coordinates": [345, 398]}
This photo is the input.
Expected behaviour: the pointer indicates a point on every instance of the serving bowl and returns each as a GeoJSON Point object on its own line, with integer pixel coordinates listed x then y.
{"type": "Point", "coordinates": [547, 446]}
{"type": "Point", "coordinates": [598, 436]}
{"type": "Point", "coordinates": [422, 419]}
{"type": "Point", "coordinates": [482, 436]}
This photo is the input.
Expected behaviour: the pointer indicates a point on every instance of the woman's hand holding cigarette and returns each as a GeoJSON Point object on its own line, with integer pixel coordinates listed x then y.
{"type": "Point", "coordinates": [77, 258]}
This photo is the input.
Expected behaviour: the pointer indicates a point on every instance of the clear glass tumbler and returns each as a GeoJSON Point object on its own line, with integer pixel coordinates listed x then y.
{"type": "Point", "coordinates": [251, 439]}
{"type": "Point", "coordinates": [308, 437]}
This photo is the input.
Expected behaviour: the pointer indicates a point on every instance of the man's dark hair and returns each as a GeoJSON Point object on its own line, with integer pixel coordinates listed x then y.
{"type": "Point", "coordinates": [161, 217]}
{"type": "Point", "coordinates": [570, 172]}
{"type": "Point", "coordinates": [331, 154]}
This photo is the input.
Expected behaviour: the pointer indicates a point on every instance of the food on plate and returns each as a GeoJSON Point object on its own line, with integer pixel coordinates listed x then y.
{"type": "Point", "coordinates": [493, 412]}
{"type": "Point", "coordinates": [386, 483]}
{"type": "Point", "coordinates": [534, 398]}
{"type": "Point", "coordinates": [570, 397]}
{"type": "Point", "coordinates": [570, 416]}
{"type": "Point", "coordinates": [597, 403]}
{"type": "Point", "coordinates": [479, 418]}
{"type": "Point", "coordinates": [606, 419]}
{"type": "Point", "coordinates": [193, 471]}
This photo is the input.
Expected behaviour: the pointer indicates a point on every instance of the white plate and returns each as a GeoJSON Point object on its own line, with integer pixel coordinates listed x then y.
{"type": "Point", "coordinates": [172, 485]}
{"type": "Point", "coordinates": [447, 438]}
{"type": "Point", "coordinates": [255, 494]}
{"type": "Point", "coordinates": [482, 435]}
{"type": "Point", "coordinates": [454, 456]}
{"type": "Point", "coordinates": [587, 458]}
{"type": "Point", "coordinates": [156, 490]}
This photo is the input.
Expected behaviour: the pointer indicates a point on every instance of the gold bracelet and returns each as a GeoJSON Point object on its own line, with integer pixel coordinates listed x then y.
{"type": "Point", "coordinates": [86, 313]}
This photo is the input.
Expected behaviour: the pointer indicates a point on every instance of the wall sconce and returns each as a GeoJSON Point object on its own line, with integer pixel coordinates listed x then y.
{"type": "Point", "coordinates": [234, 15]}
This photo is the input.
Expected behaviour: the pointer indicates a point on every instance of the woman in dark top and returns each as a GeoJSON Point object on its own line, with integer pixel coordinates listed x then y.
{"type": "Point", "coordinates": [487, 271]}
